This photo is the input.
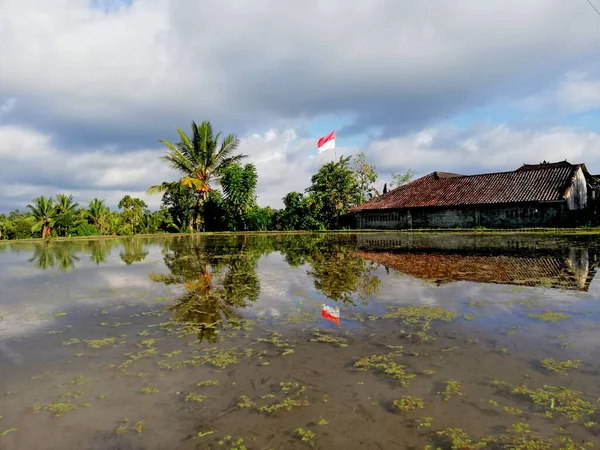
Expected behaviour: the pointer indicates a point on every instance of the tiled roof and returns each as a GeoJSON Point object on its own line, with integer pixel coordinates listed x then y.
{"type": "Point", "coordinates": [529, 183]}
{"type": "Point", "coordinates": [544, 271]}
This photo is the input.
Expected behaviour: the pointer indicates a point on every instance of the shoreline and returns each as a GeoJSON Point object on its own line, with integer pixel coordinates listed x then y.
{"type": "Point", "coordinates": [463, 231]}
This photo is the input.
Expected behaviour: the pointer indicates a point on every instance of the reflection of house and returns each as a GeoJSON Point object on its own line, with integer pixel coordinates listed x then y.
{"type": "Point", "coordinates": [572, 272]}
{"type": "Point", "coordinates": [547, 194]}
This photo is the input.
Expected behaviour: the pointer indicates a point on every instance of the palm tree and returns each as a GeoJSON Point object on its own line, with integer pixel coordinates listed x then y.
{"type": "Point", "coordinates": [45, 214]}
{"type": "Point", "coordinates": [65, 204]}
{"type": "Point", "coordinates": [199, 159]}
{"type": "Point", "coordinates": [97, 213]}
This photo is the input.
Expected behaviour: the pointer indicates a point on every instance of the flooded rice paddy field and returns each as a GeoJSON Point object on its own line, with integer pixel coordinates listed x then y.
{"type": "Point", "coordinates": [444, 341]}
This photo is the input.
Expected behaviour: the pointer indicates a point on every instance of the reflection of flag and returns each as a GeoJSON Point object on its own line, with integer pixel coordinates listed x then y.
{"type": "Point", "coordinates": [331, 314]}
{"type": "Point", "coordinates": [326, 142]}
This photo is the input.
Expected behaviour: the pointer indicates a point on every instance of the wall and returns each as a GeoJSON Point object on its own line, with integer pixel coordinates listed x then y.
{"type": "Point", "coordinates": [501, 216]}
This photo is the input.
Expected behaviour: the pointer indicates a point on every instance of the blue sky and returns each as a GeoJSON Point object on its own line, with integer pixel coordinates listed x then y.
{"type": "Point", "coordinates": [460, 86]}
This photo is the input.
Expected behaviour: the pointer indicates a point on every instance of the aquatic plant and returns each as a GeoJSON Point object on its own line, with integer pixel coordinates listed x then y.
{"type": "Point", "coordinates": [4, 433]}
{"type": "Point", "coordinates": [235, 444]}
{"type": "Point", "coordinates": [423, 422]}
{"type": "Point", "coordinates": [459, 440]}
{"type": "Point", "coordinates": [322, 422]}
{"type": "Point", "coordinates": [408, 403]}
{"type": "Point", "coordinates": [149, 390]}
{"type": "Point", "coordinates": [385, 363]}
{"type": "Point", "coordinates": [245, 402]}
{"type": "Point", "coordinates": [207, 383]}
{"type": "Point", "coordinates": [99, 343]}
{"type": "Point", "coordinates": [555, 398]}
{"type": "Point", "coordinates": [452, 389]}
{"type": "Point", "coordinates": [468, 317]}
{"type": "Point", "coordinates": [418, 315]}
{"type": "Point", "coordinates": [78, 380]}
{"type": "Point", "coordinates": [60, 408]}
{"type": "Point", "coordinates": [325, 337]}
{"type": "Point", "coordinates": [201, 434]}
{"type": "Point", "coordinates": [306, 435]}
{"type": "Point", "coordinates": [193, 397]}
{"type": "Point", "coordinates": [549, 316]}
{"type": "Point", "coordinates": [561, 367]}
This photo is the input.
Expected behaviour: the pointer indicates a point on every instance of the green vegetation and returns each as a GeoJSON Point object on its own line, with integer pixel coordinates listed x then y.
{"type": "Point", "coordinates": [408, 403]}
{"type": "Point", "coordinates": [452, 389]}
{"type": "Point", "coordinates": [561, 367]}
{"type": "Point", "coordinates": [385, 363]}
{"type": "Point", "coordinates": [549, 316]}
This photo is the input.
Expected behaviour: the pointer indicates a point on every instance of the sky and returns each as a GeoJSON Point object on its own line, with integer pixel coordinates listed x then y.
{"type": "Point", "coordinates": [89, 87]}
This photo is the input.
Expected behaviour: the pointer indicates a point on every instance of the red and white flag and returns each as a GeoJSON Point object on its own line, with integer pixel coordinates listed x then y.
{"type": "Point", "coordinates": [326, 142]}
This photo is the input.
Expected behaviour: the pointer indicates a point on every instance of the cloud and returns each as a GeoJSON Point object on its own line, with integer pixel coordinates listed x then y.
{"type": "Point", "coordinates": [128, 74]}
{"type": "Point", "coordinates": [484, 148]}
{"type": "Point", "coordinates": [98, 83]}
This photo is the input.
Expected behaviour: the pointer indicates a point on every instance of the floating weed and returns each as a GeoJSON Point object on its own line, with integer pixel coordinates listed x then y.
{"type": "Point", "coordinates": [513, 411]}
{"type": "Point", "coordinates": [477, 304]}
{"type": "Point", "coordinates": [74, 394]}
{"type": "Point", "coordinates": [78, 380]}
{"type": "Point", "coordinates": [99, 343]}
{"type": "Point", "coordinates": [408, 403]}
{"type": "Point", "coordinates": [288, 403]}
{"type": "Point", "coordinates": [322, 422]}
{"type": "Point", "coordinates": [208, 383]}
{"type": "Point", "coordinates": [287, 351]}
{"type": "Point", "coordinates": [79, 355]}
{"type": "Point", "coordinates": [139, 427]}
{"type": "Point", "coordinates": [565, 345]}
{"type": "Point", "coordinates": [589, 424]}
{"type": "Point", "coordinates": [468, 317]}
{"type": "Point", "coordinates": [561, 367]}
{"type": "Point", "coordinates": [71, 342]}
{"type": "Point", "coordinates": [292, 388]}
{"type": "Point", "coordinates": [235, 444]}
{"type": "Point", "coordinates": [172, 354]}
{"type": "Point", "coordinates": [549, 316]}
{"type": "Point", "coordinates": [193, 397]}
{"type": "Point", "coordinates": [220, 357]}
{"type": "Point", "coordinates": [555, 398]}
{"type": "Point", "coordinates": [59, 408]}
{"type": "Point", "coordinates": [325, 337]}
{"type": "Point", "coordinates": [459, 440]}
{"type": "Point", "coordinates": [242, 324]}
{"type": "Point", "coordinates": [61, 314]}
{"type": "Point", "coordinates": [300, 316]}
{"type": "Point", "coordinates": [4, 433]}
{"type": "Point", "coordinates": [530, 303]}
{"type": "Point", "coordinates": [385, 363]}
{"type": "Point", "coordinates": [306, 436]}
{"type": "Point", "coordinates": [245, 402]}
{"type": "Point", "coordinates": [452, 389]}
{"type": "Point", "coordinates": [201, 434]}
{"type": "Point", "coordinates": [418, 315]}
{"type": "Point", "coordinates": [149, 390]}
{"type": "Point", "coordinates": [423, 422]}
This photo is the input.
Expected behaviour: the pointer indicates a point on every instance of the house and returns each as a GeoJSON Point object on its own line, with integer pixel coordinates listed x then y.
{"type": "Point", "coordinates": [534, 195]}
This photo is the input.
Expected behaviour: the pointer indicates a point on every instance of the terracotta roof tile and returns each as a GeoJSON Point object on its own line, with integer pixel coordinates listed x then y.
{"type": "Point", "coordinates": [529, 183]}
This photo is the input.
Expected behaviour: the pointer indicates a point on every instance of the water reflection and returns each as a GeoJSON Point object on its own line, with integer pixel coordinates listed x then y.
{"type": "Point", "coordinates": [216, 284]}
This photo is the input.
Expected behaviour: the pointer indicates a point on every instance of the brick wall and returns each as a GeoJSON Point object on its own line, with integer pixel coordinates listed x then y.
{"type": "Point", "coordinates": [502, 216]}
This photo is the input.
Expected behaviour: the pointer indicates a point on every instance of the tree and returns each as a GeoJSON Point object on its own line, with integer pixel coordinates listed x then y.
{"type": "Point", "coordinates": [334, 190]}
{"type": "Point", "coordinates": [200, 160]}
{"type": "Point", "coordinates": [239, 186]}
{"type": "Point", "coordinates": [180, 202]}
{"type": "Point", "coordinates": [98, 213]}
{"type": "Point", "coordinates": [365, 177]}
{"type": "Point", "coordinates": [298, 214]}
{"type": "Point", "coordinates": [44, 213]}
{"type": "Point", "coordinates": [133, 211]}
{"type": "Point", "coordinates": [67, 219]}
{"type": "Point", "coordinates": [398, 179]}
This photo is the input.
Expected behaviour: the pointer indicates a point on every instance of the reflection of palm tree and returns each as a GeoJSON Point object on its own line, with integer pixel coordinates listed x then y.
{"type": "Point", "coordinates": [98, 251]}
{"type": "Point", "coordinates": [50, 255]}
{"type": "Point", "coordinates": [218, 282]}
{"type": "Point", "coordinates": [133, 251]}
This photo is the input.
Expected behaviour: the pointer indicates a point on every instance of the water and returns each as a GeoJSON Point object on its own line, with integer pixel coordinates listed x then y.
{"type": "Point", "coordinates": [219, 342]}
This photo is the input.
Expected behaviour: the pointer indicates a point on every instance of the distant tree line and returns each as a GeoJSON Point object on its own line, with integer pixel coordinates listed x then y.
{"type": "Point", "coordinates": [216, 192]}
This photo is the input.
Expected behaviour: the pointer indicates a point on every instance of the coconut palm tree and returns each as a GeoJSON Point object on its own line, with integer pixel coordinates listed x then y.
{"type": "Point", "coordinates": [44, 214]}
{"type": "Point", "coordinates": [199, 159]}
{"type": "Point", "coordinates": [66, 215]}
{"type": "Point", "coordinates": [97, 213]}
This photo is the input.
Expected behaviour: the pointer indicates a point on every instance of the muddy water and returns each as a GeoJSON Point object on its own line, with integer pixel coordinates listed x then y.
{"type": "Point", "coordinates": [201, 343]}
